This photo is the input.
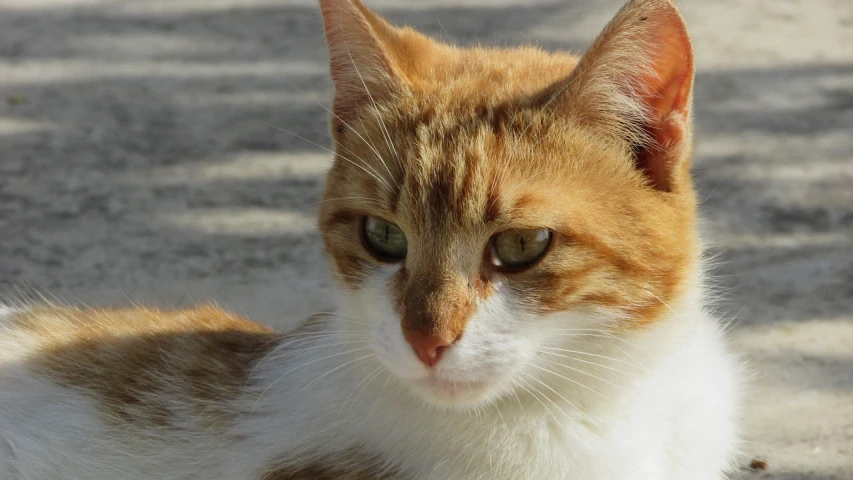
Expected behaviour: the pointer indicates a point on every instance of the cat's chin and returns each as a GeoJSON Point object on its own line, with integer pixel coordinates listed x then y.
{"type": "Point", "coordinates": [454, 394]}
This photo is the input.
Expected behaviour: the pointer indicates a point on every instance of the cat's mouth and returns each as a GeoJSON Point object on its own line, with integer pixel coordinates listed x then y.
{"type": "Point", "coordinates": [445, 391]}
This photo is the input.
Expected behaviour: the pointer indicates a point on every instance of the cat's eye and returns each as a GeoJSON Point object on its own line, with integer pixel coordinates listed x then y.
{"type": "Point", "coordinates": [517, 249]}
{"type": "Point", "coordinates": [386, 240]}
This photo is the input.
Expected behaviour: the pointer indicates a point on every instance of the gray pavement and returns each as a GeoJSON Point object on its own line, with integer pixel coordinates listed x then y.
{"type": "Point", "coordinates": [138, 163]}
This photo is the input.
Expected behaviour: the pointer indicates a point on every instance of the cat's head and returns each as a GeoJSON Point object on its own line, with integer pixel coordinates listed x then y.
{"type": "Point", "coordinates": [487, 203]}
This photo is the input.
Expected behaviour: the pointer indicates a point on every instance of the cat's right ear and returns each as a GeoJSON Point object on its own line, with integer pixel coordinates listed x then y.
{"type": "Point", "coordinates": [635, 84]}
{"type": "Point", "coordinates": [362, 64]}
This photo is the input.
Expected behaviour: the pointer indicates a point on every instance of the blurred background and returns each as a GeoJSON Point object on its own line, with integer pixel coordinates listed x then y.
{"type": "Point", "coordinates": [141, 160]}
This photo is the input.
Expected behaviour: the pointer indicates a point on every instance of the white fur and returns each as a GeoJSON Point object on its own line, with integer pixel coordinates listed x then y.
{"type": "Point", "coordinates": [661, 407]}
{"type": "Point", "coordinates": [661, 404]}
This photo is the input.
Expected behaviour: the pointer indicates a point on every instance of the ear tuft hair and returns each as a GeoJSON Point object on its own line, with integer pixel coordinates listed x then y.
{"type": "Point", "coordinates": [361, 66]}
{"type": "Point", "coordinates": [635, 84]}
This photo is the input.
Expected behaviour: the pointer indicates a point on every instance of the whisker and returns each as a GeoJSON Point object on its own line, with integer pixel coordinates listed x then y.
{"type": "Point", "coordinates": [591, 363]}
{"type": "Point", "coordinates": [518, 399]}
{"type": "Point", "coordinates": [337, 199]}
{"type": "Point", "coordinates": [580, 384]}
{"type": "Point", "coordinates": [346, 124]}
{"type": "Point", "coordinates": [333, 334]}
{"type": "Point", "coordinates": [566, 350]}
{"type": "Point", "coordinates": [381, 392]}
{"type": "Point", "coordinates": [348, 150]}
{"type": "Point", "coordinates": [631, 357]}
{"type": "Point", "coordinates": [265, 357]}
{"type": "Point", "coordinates": [335, 370]}
{"type": "Point", "coordinates": [498, 409]}
{"type": "Point", "coordinates": [368, 378]}
{"type": "Point", "coordinates": [524, 385]}
{"type": "Point", "coordinates": [288, 341]}
{"type": "Point", "coordinates": [382, 128]}
{"type": "Point", "coordinates": [352, 318]}
{"type": "Point", "coordinates": [315, 347]}
{"type": "Point", "coordinates": [660, 300]}
{"type": "Point", "coordinates": [596, 330]}
{"type": "Point", "coordinates": [303, 366]}
{"type": "Point", "coordinates": [376, 176]}
{"type": "Point", "coordinates": [349, 126]}
{"type": "Point", "coordinates": [611, 337]}
{"type": "Point", "coordinates": [564, 398]}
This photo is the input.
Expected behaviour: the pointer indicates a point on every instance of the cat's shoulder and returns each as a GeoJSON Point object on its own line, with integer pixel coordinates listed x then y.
{"type": "Point", "coordinates": [136, 365]}
{"type": "Point", "coordinates": [68, 322]}
{"type": "Point", "coordinates": [54, 330]}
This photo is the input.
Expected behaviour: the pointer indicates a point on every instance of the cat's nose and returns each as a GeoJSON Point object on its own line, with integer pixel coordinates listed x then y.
{"type": "Point", "coordinates": [429, 347]}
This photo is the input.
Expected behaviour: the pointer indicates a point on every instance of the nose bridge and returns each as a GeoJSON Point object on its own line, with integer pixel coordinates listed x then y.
{"type": "Point", "coordinates": [437, 303]}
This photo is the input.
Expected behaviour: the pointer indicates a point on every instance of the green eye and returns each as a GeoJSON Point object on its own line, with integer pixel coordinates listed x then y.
{"type": "Point", "coordinates": [384, 239]}
{"type": "Point", "coordinates": [515, 249]}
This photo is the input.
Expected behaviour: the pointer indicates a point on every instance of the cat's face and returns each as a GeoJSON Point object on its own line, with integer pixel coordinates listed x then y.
{"type": "Point", "coordinates": [485, 205]}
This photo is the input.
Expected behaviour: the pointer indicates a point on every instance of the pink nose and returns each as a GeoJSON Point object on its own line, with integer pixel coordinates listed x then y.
{"type": "Point", "coordinates": [428, 347]}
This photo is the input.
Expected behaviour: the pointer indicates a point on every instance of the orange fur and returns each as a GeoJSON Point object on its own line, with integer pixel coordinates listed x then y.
{"type": "Point", "coordinates": [455, 145]}
{"type": "Point", "coordinates": [146, 366]}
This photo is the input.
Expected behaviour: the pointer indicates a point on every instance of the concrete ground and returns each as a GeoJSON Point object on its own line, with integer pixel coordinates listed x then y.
{"type": "Point", "coordinates": [138, 162]}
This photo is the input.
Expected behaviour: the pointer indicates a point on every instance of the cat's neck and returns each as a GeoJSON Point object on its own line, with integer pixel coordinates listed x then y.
{"type": "Point", "coordinates": [346, 398]}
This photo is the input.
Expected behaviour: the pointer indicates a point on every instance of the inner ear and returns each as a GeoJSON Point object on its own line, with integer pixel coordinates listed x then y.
{"type": "Point", "coordinates": [360, 59]}
{"type": "Point", "coordinates": [646, 159]}
{"type": "Point", "coordinates": [667, 98]}
{"type": "Point", "coordinates": [634, 84]}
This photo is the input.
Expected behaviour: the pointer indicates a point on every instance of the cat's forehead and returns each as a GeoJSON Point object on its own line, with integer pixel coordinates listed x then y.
{"type": "Point", "coordinates": [487, 76]}
{"type": "Point", "coordinates": [469, 146]}
{"type": "Point", "coordinates": [473, 180]}
{"type": "Point", "coordinates": [450, 184]}
{"type": "Point", "coordinates": [465, 167]}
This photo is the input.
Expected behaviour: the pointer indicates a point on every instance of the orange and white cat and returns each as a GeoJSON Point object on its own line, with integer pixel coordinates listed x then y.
{"type": "Point", "coordinates": [520, 296]}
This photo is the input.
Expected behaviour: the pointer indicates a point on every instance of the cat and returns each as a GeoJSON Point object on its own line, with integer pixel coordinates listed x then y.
{"type": "Point", "coordinates": [520, 292]}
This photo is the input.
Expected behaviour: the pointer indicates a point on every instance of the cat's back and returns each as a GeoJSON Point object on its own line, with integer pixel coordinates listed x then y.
{"type": "Point", "coordinates": [67, 341]}
{"type": "Point", "coordinates": [78, 384]}
{"type": "Point", "coordinates": [98, 351]}
{"type": "Point", "coordinates": [56, 325]}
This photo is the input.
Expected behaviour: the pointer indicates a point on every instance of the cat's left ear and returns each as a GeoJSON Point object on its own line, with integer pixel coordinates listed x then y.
{"type": "Point", "coordinates": [362, 57]}
{"type": "Point", "coordinates": [636, 83]}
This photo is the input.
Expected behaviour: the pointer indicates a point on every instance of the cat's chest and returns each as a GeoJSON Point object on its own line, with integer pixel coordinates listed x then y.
{"type": "Point", "coordinates": [521, 438]}
{"type": "Point", "coordinates": [481, 447]}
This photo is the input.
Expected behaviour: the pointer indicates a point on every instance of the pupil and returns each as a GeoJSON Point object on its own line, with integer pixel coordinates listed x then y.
{"type": "Point", "coordinates": [386, 233]}
{"type": "Point", "coordinates": [522, 244]}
